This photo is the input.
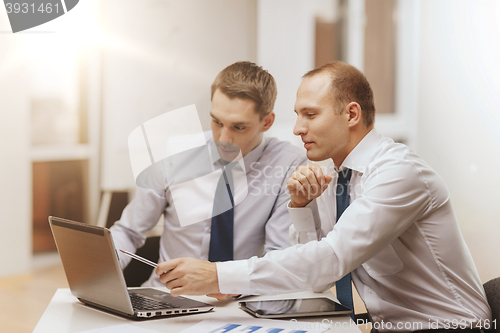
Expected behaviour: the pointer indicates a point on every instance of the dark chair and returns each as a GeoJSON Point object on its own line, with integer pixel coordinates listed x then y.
{"type": "Point", "coordinates": [492, 289]}
{"type": "Point", "coordinates": [136, 273]}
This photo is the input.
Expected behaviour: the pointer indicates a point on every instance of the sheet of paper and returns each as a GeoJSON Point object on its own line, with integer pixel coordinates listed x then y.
{"type": "Point", "coordinates": [120, 329]}
{"type": "Point", "coordinates": [255, 326]}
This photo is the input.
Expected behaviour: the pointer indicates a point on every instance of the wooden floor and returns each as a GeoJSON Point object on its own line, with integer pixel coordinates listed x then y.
{"type": "Point", "coordinates": [23, 299]}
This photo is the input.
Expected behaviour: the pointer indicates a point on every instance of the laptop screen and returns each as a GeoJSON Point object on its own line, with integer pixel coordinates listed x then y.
{"type": "Point", "coordinates": [91, 264]}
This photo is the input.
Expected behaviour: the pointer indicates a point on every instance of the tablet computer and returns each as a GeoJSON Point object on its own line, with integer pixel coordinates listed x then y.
{"type": "Point", "coordinates": [299, 307]}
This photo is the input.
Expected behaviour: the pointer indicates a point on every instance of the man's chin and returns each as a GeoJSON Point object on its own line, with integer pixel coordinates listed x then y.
{"type": "Point", "coordinates": [311, 156]}
{"type": "Point", "coordinates": [229, 156]}
{"type": "Point", "coordinates": [228, 153]}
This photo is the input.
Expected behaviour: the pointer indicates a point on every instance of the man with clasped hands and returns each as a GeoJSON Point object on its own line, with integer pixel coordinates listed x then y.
{"type": "Point", "coordinates": [398, 238]}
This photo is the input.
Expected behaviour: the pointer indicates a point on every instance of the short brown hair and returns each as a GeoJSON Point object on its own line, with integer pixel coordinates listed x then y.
{"type": "Point", "coordinates": [349, 85]}
{"type": "Point", "coordinates": [246, 80]}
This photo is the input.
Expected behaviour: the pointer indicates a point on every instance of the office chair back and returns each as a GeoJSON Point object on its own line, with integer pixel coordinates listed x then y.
{"type": "Point", "coordinates": [492, 289]}
{"type": "Point", "coordinates": [136, 273]}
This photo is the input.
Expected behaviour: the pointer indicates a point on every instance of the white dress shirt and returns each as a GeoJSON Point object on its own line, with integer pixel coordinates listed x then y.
{"type": "Point", "coordinates": [399, 238]}
{"type": "Point", "coordinates": [261, 220]}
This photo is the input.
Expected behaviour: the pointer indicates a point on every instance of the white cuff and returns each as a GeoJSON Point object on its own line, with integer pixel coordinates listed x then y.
{"type": "Point", "coordinates": [302, 218]}
{"type": "Point", "coordinates": [234, 277]}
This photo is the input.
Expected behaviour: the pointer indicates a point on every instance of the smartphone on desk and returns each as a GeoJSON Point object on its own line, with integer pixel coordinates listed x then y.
{"type": "Point", "coordinates": [298, 307]}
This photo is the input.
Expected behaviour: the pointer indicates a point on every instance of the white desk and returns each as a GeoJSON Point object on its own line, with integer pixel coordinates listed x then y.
{"type": "Point", "coordinates": [66, 314]}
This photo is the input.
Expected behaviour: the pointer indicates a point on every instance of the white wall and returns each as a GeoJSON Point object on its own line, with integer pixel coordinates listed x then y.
{"type": "Point", "coordinates": [15, 171]}
{"type": "Point", "coordinates": [285, 47]}
{"type": "Point", "coordinates": [459, 115]}
{"type": "Point", "coordinates": [162, 55]}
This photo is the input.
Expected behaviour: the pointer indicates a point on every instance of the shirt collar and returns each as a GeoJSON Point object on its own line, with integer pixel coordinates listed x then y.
{"type": "Point", "coordinates": [359, 158]}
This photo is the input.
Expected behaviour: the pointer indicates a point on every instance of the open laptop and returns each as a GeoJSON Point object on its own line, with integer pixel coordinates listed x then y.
{"type": "Point", "coordinates": [94, 276]}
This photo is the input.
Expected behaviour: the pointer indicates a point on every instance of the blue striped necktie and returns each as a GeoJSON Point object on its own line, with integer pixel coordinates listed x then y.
{"type": "Point", "coordinates": [344, 287]}
{"type": "Point", "coordinates": [222, 230]}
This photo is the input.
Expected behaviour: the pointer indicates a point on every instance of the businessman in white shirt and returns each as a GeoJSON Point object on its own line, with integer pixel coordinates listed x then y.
{"type": "Point", "coordinates": [397, 237]}
{"type": "Point", "coordinates": [243, 97]}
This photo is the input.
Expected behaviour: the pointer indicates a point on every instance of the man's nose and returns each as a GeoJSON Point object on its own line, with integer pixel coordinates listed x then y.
{"type": "Point", "coordinates": [299, 128]}
{"type": "Point", "coordinates": [225, 135]}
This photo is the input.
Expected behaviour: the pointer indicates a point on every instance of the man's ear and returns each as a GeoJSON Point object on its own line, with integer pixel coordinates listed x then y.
{"type": "Point", "coordinates": [268, 121]}
{"type": "Point", "coordinates": [355, 114]}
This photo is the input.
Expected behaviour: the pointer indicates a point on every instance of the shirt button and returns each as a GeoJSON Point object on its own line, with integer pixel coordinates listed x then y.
{"type": "Point", "coordinates": [209, 229]}
{"type": "Point", "coordinates": [370, 291]}
{"type": "Point", "coordinates": [309, 219]}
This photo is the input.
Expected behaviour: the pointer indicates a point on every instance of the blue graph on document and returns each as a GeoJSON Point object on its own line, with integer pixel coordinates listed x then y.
{"type": "Point", "coordinates": [235, 328]}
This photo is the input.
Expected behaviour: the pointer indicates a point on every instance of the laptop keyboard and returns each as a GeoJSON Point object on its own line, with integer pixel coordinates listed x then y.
{"type": "Point", "coordinates": [145, 303]}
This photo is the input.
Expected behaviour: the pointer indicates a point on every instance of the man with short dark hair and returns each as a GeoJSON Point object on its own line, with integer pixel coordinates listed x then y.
{"type": "Point", "coordinates": [388, 223]}
{"type": "Point", "coordinates": [243, 97]}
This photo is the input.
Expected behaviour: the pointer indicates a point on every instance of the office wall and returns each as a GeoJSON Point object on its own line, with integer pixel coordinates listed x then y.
{"type": "Point", "coordinates": [285, 47]}
{"type": "Point", "coordinates": [162, 55]}
{"type": "Point", "coordinates": [459, 115]}
{"type": "Point", "coordinates": [15, 171]}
